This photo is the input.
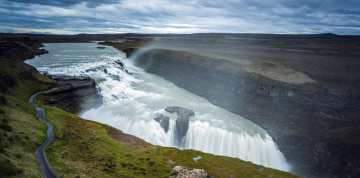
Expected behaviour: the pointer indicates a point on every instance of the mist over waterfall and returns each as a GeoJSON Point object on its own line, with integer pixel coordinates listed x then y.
{"type": "Point", "coordinates": [133, 99]}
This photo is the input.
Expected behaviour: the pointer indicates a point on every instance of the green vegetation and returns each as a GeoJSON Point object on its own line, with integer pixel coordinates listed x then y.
{"type": "Point", "coordinates": [90, 149]}
{"type": "Point", "coordinates": [21, 133]}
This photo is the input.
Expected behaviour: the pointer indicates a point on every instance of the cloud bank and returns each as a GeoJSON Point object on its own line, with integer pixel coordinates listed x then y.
{"type": "Point", "coordinates": [170, 16]}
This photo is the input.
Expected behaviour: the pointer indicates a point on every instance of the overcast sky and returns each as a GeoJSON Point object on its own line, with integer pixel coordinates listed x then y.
{"type": "Point", "coordinates": [177, 16]}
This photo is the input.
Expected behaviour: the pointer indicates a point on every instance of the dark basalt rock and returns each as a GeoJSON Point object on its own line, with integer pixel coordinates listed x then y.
{"type": "Point", "coordinates": [73, 94]}
{"type": "Point", "coordinates": [120, 63]}
{"type": "Point", "coordinates": [181, 112]}
{"type": "Point", "coordinates": [182, 126]}
{"type": "Point", "coordinates": [42, 51]}
{"type": "Point", "coordinates": [182, 123]}
{"type": "Point", "coordinates": [130, 51]}
{"type": "Point", "coordinates": [164, 122]}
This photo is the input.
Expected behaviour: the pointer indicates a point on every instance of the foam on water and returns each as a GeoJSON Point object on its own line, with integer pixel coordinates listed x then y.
{"type": "Point", "coordinates": [131, 101]}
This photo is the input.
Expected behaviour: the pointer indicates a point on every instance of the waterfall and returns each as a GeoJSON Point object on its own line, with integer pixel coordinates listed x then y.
{"type": "Point", "coordinates": [133, 99]}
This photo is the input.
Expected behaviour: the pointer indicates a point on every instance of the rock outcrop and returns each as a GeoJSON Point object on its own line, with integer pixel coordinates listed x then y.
{"type": "Point", "coordinates": [182, 126]}
{"type": "Point", "coordinates": [183, 172]}
{"type": "Point", "coordinates": [163, 121]}
{"type": "Point", "coordinates": [73, 94]}
{"type": "Point", "coordinates": [181, 112]}
{"type": "Point", "coordinates": [182, 123]}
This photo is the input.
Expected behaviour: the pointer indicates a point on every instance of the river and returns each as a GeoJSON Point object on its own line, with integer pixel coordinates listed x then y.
{"type": "Point", "coordinates": [131, 101]}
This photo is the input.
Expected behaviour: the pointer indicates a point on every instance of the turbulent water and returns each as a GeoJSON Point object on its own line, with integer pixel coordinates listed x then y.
{"type": "Point", "coordinates": [132, 101]}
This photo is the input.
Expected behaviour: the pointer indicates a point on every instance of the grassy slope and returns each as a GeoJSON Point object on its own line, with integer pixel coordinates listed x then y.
{"type": "Point", "coordinates": [91, 149]}
{"type": "Point", "coordinates": [21, 132]}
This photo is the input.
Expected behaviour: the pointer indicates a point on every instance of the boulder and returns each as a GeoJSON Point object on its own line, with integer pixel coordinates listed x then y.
{"type": "Point", "coordinates": [163, 121]}
{"type": "Point", "coordinates": [183, 172]}
{"type": "Point", "coordinates": [181, 112]}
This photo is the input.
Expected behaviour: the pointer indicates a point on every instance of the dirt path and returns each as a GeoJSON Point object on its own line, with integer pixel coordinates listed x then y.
{"type": "Point", "coordinates": [45, 166]}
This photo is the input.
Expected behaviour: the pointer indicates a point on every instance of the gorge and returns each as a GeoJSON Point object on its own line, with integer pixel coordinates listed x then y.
{"type": "Point", "coordinates": [268, 99]}
{"type": "Point", "coordinates": [132, 101]}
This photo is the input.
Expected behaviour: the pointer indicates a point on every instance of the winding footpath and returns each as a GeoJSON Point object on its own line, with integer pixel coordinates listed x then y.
{"type": "Point", "coordinates": [45, 166]}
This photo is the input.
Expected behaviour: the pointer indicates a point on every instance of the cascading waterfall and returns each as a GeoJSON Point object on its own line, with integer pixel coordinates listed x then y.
{"type": "Point", "coordinates": [132, 101]}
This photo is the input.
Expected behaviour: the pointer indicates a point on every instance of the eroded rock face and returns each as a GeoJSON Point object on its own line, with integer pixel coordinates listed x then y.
{"type": "Point", "coordinates": [182, 126]}
{"type": "Point", "coordinates": [295, 115]}
{"type": "Point", "coordinates": [183, 172]}
{"type": "Point", "coordinates": [163, 121]}
{"type": "Point", "coordinates": [181, 112]}
{"type": "Point", "coordinates": [182, 123]}
{"type": "Point", "coordinates": [73, 94]}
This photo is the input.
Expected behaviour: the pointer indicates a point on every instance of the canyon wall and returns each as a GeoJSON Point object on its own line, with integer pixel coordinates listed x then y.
{"type": "Point", "coordinates": [313, 125]}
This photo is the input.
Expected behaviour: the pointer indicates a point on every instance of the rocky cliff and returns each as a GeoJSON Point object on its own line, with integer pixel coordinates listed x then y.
{"type": "Point", "coordinates": [312, 120]}
{"type": "Point", "coordinates": [73, 94]}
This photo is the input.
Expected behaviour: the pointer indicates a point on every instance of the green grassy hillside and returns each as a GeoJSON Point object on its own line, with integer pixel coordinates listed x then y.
{"type": "Point", "coordinates": [21, 133]}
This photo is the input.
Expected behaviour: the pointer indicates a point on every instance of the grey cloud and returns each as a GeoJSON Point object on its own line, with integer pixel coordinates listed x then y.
{"type": "Point", "coordinates": [164, 16]}
{"type": "Point", "coordinates": [65, 3]}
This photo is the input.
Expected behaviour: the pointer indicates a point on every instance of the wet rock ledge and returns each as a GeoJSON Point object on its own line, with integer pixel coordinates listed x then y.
{"type": "Point", "coordinates": [73, 94]}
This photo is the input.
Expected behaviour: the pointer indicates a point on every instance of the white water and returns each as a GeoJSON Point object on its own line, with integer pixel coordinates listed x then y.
{"type": "Point", "coordinates": [132, 101]}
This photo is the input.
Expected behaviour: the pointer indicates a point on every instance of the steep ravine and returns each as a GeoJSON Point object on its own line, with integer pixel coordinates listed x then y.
{"type": "Point", "coordinates": [130, 105]}
{"type": "Point", "coordinates": [303, 119]}
{"type": "Point", "coordinates": [84, 148]}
